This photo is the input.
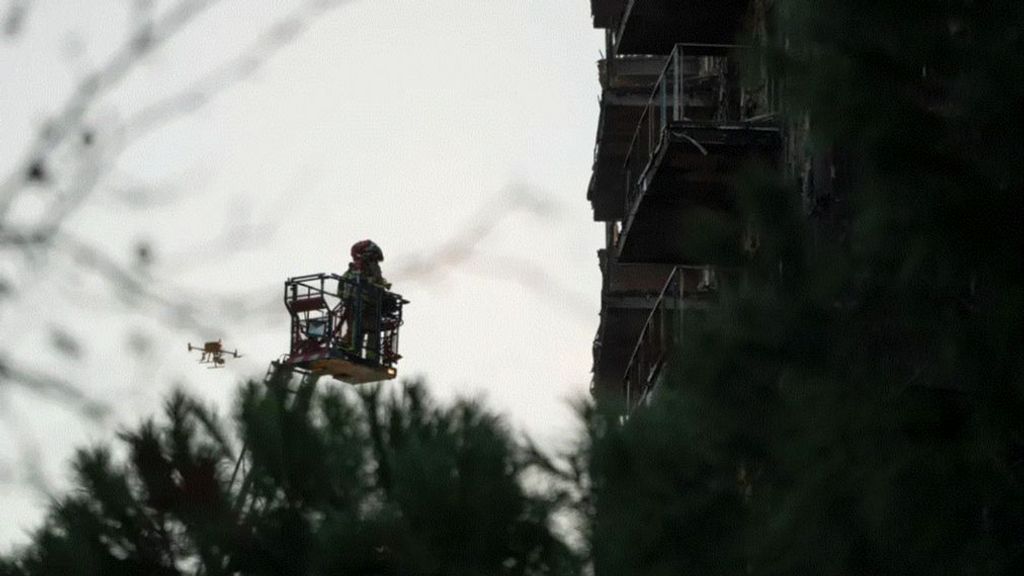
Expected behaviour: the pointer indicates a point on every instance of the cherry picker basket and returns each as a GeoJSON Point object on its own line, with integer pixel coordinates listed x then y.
{"type": "Point", "coordinates": [343, 327]}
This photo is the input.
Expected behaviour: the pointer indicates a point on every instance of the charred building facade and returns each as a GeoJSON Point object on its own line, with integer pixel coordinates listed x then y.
{"type": "Point", "coordinates": [677, 124]}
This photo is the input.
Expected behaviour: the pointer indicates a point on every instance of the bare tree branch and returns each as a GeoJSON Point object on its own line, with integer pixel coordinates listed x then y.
{"type": "Point", "coordinates": [243, 233]}
{"type": "Point", "coordinates": [53, 387]}
{"type": "Point", "coordinates": [533, 277]}
{"type": "Point", "coordinates": [275, 38]}
{"type": "Point", "coordinates": [14, 18]}
{"type": "Point", "coordinates": [70, 156]}
{"type": "Point", "coordinates": [180, 309]}
{"type": "Point", "coordinates": [458, 249]}
{"type": "Point", "coordinates": [95, 156]}
{"type": "Point", "coordinates": [68, 121]}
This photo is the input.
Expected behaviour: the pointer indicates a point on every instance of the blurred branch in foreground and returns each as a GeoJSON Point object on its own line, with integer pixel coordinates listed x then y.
{"type": "Point", "coordinates": [13, 19]}
{"type": "Point", "coordinates": [68, 125]}
{"type": "Point", "coordinates": [53, 387]}
{"type": "Point", "coordinates": [72, 137]}
{"type": "Point", "coordinates": [458, 249]}
{"type": "Point", "coordinates": [73, 154]}
{"type": "Point", "coordinates": [461, 251]}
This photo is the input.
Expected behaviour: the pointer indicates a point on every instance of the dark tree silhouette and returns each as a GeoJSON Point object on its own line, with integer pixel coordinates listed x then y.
{"type": "Point", "coordinates": [854, 404]}
{"type": "Point", "coordinates": [334, 483]}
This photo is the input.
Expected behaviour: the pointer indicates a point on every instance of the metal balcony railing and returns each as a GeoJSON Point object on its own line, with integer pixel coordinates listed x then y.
{"type": "Point", "coordinates": [699, 83]}
{"type": "Point", "coordinates": [663, 329]}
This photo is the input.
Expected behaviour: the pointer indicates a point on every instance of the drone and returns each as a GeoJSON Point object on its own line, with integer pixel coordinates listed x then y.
{"type": "Point", "coordinates": [213, 353]}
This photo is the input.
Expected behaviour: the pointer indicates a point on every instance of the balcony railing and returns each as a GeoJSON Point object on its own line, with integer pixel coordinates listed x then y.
{"type": "Point", "coordinates": [699, 83]}
{"type": "Point", "coordinates": [664, 328]}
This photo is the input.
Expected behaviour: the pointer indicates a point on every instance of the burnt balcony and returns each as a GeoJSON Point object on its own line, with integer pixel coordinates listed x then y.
{"type": "Point", "coordinates": [626, 87]}
{"type": "Point", "coordinates": [629, 293]}
{"type": "Point", "coordinates": [687, 291]}
{"type": "Point", "coordinates": [655, 26]}
{"type": "Point", "coordinates": [699, 129]}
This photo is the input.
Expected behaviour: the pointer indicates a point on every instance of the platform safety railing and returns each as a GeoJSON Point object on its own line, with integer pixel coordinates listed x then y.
{"type": "Point", "coordinates": [331, 312]}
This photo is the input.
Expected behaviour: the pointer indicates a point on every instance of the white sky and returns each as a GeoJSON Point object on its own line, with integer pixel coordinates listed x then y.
{"type": "Point", "coordinates": [397, 120]}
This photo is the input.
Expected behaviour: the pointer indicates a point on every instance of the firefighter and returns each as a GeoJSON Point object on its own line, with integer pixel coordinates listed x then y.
{"type": "Point", "coordinates": [361, 288]}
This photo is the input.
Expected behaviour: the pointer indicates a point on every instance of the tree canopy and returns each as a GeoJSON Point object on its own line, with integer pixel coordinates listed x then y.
{"type": "Point", "coordinates": [854, 403]}
{"type": "Point", "coordinates": [331, 483]}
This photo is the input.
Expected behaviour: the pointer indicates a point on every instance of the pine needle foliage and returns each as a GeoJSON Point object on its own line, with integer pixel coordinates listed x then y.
{"type": "Point", "coordinates": [854, 403]}
{"type": "Point", "coordinates": [331, 483]}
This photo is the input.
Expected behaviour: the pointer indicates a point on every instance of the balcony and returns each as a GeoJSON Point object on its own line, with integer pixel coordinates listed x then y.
{"type": "Point", "coordinates": [629, 293]}
{"type": "Point", "coordinates": [699, 128]}
{"type": "Point", "coordinates": [655, 26]}
{"type": "Point", "coordinates": [687, 290]}
{"type": "Point", "coordinates": [626, 87]}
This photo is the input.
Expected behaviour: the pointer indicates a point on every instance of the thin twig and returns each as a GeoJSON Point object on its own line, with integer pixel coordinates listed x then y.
{"type": "Point", "coordinates": [68, 121]}
{"type": "Point", "coordinates": [52, 386]}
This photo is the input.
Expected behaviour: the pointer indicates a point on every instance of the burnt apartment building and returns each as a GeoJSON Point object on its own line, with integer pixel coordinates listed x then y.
{"type": "Point", "coordinates": [676, 126]}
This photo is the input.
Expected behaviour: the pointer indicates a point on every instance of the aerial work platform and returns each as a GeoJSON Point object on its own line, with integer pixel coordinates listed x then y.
{"type": "Point", "coordinates": [342, 327]}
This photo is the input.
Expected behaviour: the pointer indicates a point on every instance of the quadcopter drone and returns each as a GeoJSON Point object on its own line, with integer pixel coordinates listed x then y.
{"type": "Point", "coordinates": [213, 353]}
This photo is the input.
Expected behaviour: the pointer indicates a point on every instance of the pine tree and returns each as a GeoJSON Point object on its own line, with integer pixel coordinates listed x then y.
{"type": "Point", "coordinates": [854, 404]}
{"type": "Point", "coordinates": [334, 483]}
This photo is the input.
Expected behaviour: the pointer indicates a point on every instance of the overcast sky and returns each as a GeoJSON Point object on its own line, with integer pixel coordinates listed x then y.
{"type": "Point", "coordinates": [412, 122]}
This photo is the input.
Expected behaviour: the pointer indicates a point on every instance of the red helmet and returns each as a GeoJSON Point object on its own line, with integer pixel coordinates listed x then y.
{"type": "Point", "coordinates": [366, 251]}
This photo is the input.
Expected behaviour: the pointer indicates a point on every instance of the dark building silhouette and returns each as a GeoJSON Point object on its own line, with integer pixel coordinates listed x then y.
{"type": "Point", "coordinates": [676, 127]}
